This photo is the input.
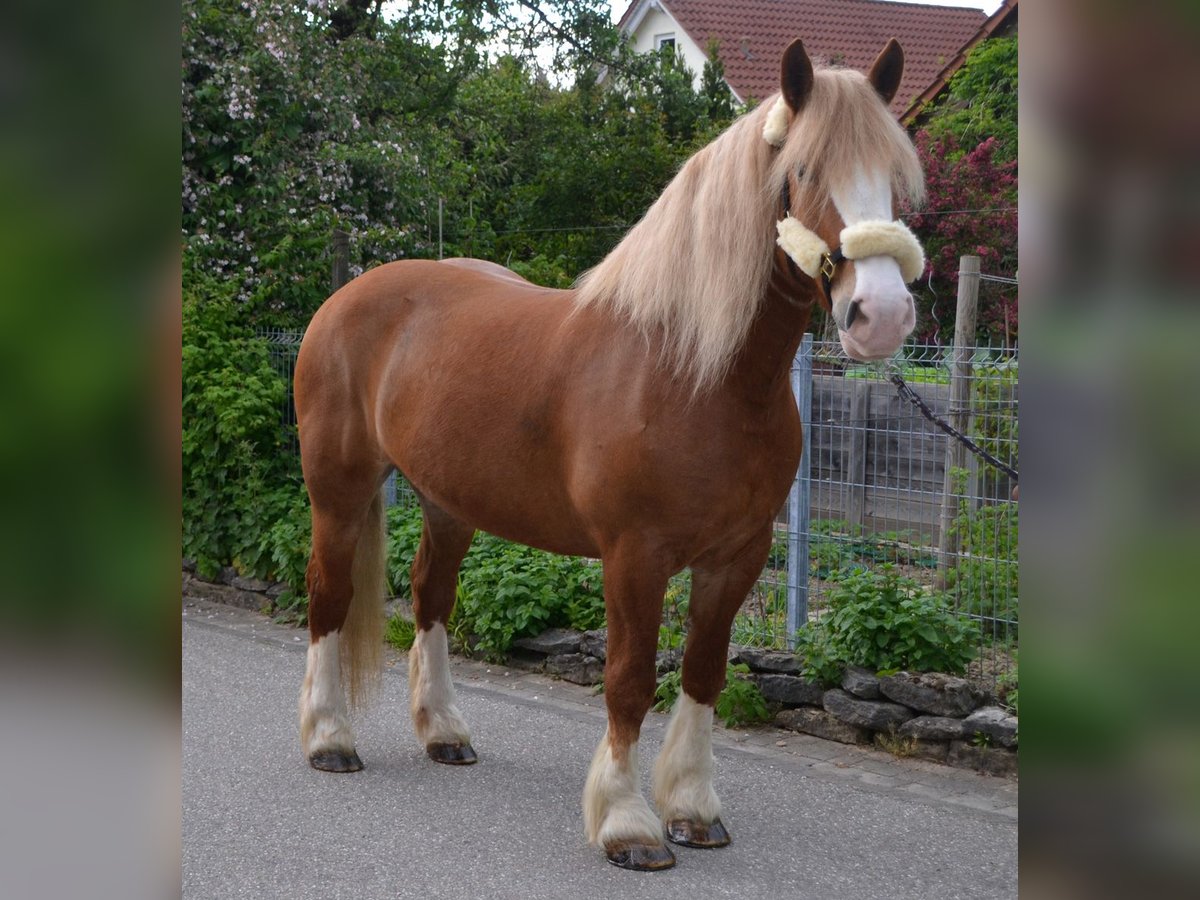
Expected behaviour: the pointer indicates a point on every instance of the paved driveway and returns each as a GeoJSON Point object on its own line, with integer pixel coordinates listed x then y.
{"type": "Point", "coordinates": [810, 819]}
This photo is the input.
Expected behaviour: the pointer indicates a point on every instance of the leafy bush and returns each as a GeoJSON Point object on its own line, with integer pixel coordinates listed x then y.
{"type": "Point", "coordinates": [739, 703]}
{"type": "Point", "coordinates": [506, 591]}
{"type": "Point", "coordinates": [239, 481]}
{"type": "Point", "coordinates": [884, 622]}
{"type": "Point", "coordinates": [985, 575]}
{"type": "Point", "coordinates": [400, 633]}
{"type": "Point", "coordinates": [511, 591]}
{"type": "Point", "coordinates": [288, 543]}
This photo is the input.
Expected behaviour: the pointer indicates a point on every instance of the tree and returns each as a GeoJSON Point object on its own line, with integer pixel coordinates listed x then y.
{"type": "Point", "coordinates": [981, 99]}
{"type": "Point", "coordinates": [968, 148]}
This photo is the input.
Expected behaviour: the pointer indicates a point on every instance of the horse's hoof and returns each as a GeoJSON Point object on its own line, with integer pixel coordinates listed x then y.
{"type": "Point", "coordinates": [452, 754]}
{"type": "Point", "coordinates": [640, 857]}
{"type": "Point", "coordinates": [335, 761]}
{"type": "Point", "coordinates": [696, 834]}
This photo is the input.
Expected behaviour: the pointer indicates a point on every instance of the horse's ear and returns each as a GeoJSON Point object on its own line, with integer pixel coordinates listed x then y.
{"type": "Point", "coordinates": [887, 70]}
{"type": "Point", "coordinates": [796, 77]}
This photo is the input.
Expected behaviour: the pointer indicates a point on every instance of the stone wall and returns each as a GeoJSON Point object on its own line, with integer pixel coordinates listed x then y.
{"type": "Point", "coordinates": [231, 588]}
{"type": "Point", "coordinates": [929, 716]}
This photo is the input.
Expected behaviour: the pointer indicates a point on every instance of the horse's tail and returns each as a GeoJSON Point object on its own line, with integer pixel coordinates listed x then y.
{"type": "Point", "coordinates": [362, 634]}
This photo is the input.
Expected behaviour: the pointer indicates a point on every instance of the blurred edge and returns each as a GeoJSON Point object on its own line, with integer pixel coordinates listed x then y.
{"type": "Point", "coordinates": [1110, 259]}
{"type": "Point", "coordinates": [89, 449]}
{"type": "Point", "coordinates": [89, 331]}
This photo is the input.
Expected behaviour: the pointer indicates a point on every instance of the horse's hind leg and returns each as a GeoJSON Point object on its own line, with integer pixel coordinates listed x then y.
{"type": "Point", "coordinates": [616, 815]}
{"type": "Point", "coordinates": [345, 614]}
{"type": "Point", "coordinates": [438, 723]}
{"type": "Point", "coordinates": [683, 772]}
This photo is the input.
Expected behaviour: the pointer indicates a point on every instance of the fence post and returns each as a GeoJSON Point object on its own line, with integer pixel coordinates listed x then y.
{"type": "Point", "coordinates": [341, 259]}
{"type": "Point", "coordinates": [800, 499]}
{"type": "Point", "coordinates": [856, 454]}
{"type": "Point", "coordinates": [960, 404]}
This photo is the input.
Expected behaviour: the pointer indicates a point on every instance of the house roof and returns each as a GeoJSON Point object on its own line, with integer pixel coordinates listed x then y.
{"type": "Point", "coordinates": [754, 33]}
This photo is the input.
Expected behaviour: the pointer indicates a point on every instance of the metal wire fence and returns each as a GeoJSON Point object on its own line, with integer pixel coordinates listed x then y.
{"type": "Point", "coordinates": [886, 487]}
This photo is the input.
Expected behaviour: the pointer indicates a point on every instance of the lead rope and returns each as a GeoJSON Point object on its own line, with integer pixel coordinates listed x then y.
{"type": "Point", "coordinates": [912, 397]}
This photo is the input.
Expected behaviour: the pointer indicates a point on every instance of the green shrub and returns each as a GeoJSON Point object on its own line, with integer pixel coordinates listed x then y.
{"type": "Point", "coordinates": [506, 591]}
{"type": "Point", "coordinates": [288, 544]}
{"type": "Point", "coordinates": [512, 591]}
{"type": "Point", "coordinates": [239, 480]}
{"type": "Point", "coordinates": [739, 703]}
{"type": "Point", "coordinates": [985, 575]}
{"type": "Point", "coordinates": [400, 633]}
{"type": "Point", "coordinates": [883, 621]}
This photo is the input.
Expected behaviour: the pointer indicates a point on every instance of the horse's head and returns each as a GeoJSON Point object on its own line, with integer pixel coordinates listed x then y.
{"type": "Point", "coordinates": [843, 162]}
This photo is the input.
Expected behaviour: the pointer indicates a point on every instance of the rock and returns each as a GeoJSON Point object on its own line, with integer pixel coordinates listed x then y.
{"type": "Point", "coordinates": [594, 643]}
{"type": "Point", "coordinates": [224, 593]}
{"type": "Point", "coordinates": [874, 714]}
{"type": "Point", "coordinates": [189, 565]}
{"type": "Point", "coordinates": [668, 660]}
{"type": "Point", "coordinates": [243, 583]}
{"type": "Point", "coordinates": [933, 728]}
{"type": "Point", "coordinates": [551, 642]}
{"type": "Point", "coordinates": [989, 760]}
{"type": "Point", "coordinates": [790, 690]}
{"type": "Point", "coordinates": [227, 574]}
{"type": "Point", "coordinates": [821, 724]}
{"type": "Point", "coordinates": [935, 751]}
{"type": "Point", "coordinates": [933, 693]}
{"type": "Point", "coordinates": [526, 660]}
{"type": "Point", "coordinates": [769, 661]}
{"type": "Point", "coordinates": [275, 591]}
{"type": "Point", "coordinates": [860, 682]}
{"type": "Point", "coordinates": [578, 668]}
{"type": "Point", "coordinates": [995, 722]}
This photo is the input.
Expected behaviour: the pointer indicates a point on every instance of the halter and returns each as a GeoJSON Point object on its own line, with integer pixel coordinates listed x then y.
{"type": "Point", "coordinates": [807, 251]}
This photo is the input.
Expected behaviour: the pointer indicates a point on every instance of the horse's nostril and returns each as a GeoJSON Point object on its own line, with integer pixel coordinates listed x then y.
{"type": "Point", "coordinates": [852, 313]}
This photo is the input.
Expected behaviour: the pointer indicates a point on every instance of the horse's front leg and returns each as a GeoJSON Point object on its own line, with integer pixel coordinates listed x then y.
{"type": "Point", "coordinates": [683, 772]}
{"type": "Point", "coordinates": [616, 815]}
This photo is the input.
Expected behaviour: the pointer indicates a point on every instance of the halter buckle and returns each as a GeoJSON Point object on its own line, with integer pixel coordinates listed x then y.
{"type": "Point", "coordinates": [828, 267]}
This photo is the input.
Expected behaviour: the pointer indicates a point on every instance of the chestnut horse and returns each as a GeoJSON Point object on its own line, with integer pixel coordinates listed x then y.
{"type": "Point", "coordinates": [644, 418]}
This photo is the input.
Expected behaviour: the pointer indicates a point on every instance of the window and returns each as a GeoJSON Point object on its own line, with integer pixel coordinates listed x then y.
{"type": "Point", "coordinates": [664, 40]}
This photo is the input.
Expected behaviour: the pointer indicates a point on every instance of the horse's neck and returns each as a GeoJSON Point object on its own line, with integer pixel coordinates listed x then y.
{"type": "Point", "coordinates": [763, 365]}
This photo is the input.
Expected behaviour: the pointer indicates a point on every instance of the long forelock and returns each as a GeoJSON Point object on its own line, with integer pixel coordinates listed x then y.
{"type": "Point", "coordinates": [692, 273]}
{"type": "Point", "coordinates": [843, 130]}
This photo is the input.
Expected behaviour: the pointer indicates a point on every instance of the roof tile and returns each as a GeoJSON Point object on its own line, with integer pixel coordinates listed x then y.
{"type": "Point", "coordinates": [754, 33]}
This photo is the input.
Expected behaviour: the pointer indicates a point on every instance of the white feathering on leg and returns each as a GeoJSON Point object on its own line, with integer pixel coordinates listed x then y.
{"type": "Point", "coordinates": [683, 773]}
{"type": "Point", "coordinates": [324, 722]}
{"type": "Point", "coordinates": [434, 704]}
{"type": "Point", "coordinates": [614, 809]}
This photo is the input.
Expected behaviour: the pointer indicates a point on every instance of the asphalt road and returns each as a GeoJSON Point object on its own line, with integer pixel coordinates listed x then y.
{"type": "Point", "coordinates": [810, 818]}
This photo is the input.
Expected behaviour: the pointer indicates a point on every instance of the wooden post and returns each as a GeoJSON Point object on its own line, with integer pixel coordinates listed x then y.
{"type": "Point", "coordinates": [856, 456]}
{"type": "Point", "coordinates": [341, 259]}
{"type": "Point", "coordinates": [960, 405]}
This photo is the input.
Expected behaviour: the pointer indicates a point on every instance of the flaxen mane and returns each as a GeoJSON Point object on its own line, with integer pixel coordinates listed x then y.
{"type": "Point", "coordinates": [696, 266]}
